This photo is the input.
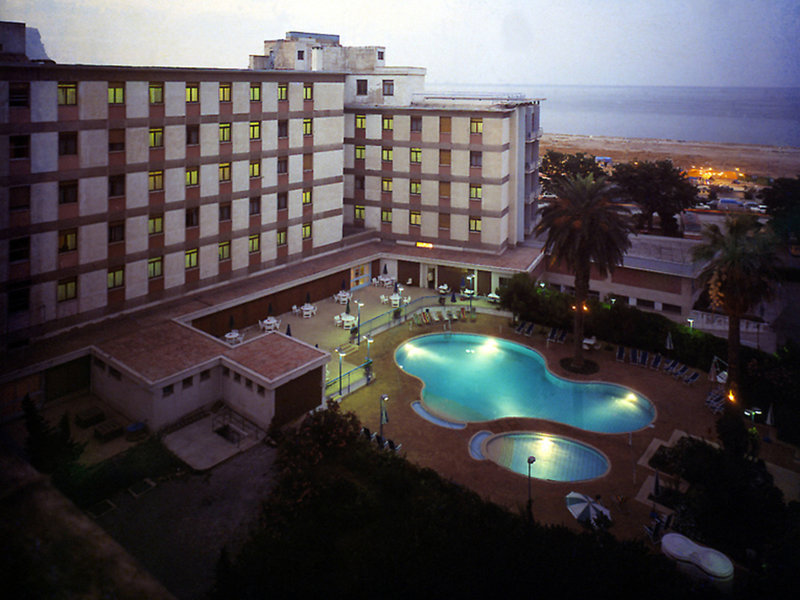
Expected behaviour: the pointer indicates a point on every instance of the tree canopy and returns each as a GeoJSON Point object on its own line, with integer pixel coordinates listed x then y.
{"type": "Point", "coordinates": [783, 205]}
{"type": "Point", "coordinates": [559, 164]}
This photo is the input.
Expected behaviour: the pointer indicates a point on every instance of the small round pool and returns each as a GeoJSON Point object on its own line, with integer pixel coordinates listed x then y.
{"type": "Point", "coordinates": [476, 378]}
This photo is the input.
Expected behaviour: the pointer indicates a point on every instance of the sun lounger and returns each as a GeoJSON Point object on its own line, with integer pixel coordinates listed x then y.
{"type": "Point", "coordinates": [417, 320]}
{"type": "Point", "coordinates": [644, 357]}
{"type": "Point", "coordinates": [463, 314]}
{"type": "Point", "coordinates": [551, 337]}
{"type": "Point", "coordinates": [634, 356]}
{"type": "Point", "coordinates": [680, 372]}
{"type": "Point", "coordinates": [366, 432]}
{"type": "Point", "coordinates": [654, 532]}
{"type": "Point", "coordinates": [521, 327]}
{"type": "Point", "coordinates": [562, 336]}
{"type": "Point", "coordinates": [714, 396]}
{"type": "Point", "coordinates": [380, 441]}
{"type": "Point", "coordinates": [620, 353]}
{"type": "Point", "coordinates": [692, 378]}
{"type": "Point", "coordinates": [392, 446]}
{"type": "Point", "coordinates": [529, 329]}
{"type": "Point", "coordinates": [670, 367]}
{"type": "Point", "coordinates": [656, 362]}
{"type": "Point", "coordinates": [435, 315]}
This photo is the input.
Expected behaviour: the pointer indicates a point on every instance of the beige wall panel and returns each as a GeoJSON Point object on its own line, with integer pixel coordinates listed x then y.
{"type": "Point", "coordinates": [209, 139]}
{"type": "Point", "coordinates": [240, 215]}
{"type": "Point", "coordinates": [93, 148]}
{"type": "Point", "coordinates": [174, 226]}
{"type": "Point", "coordinates": [44, 101]}
{"type": "Point", "coordinates": [240, 132]}
{"type": "Point", "coordinates": [328, 164]}
{"type": "Point", "coordinates": [174, 269]}
{"type": "Point", "coordinates": [460, 130]}
{"type": "Point", "coordinates": [93, 290]}
{"type": "Point", "coordinates": [240, 175]}
{"type": "Point", "coordinates": [44, 252]}
{"type": "Point", "coordinates": [269, 96]}
{"type": "Point", "coordinates": [328, 130]}
{"type": "Point", "coordinates": [137, 145]}
{"type": "Point", "coordinates": [240, 91]}
{"type": "Point", "coordinates": [400, 221]}
{"type": "Point", "coordinates": [136, 193]}
{"type": "Point", "coordinates": [44, 152]}
{"type": "Point", "coordinates": [136, 237]}
{"type": "Point", "coordinates": [459, 194]}
{"type": "Point", "coordinates": [93, 195]}
{"type": "Point", "coordinates": [136, 283]}
{"type": "Point", "coordinates": [175, 184]}
{"type": "Point", "coordinates": [209, 260]}
{"type": "Point", "coordinates": [239, 253]}
{"type": "Point", "coordinates": [93, 99]}
{"type": "Point", "coordinates": [137, 99]}
{"type": "Point", "coordinates": [47, 208]}
{"type": "Point", "coordinates": [430, 160]}
{"type": "Point", "coordinates": [459, 225]}
{"type": "Point", "coordinates": [430, 129]}
{"type": "Point", "coordinates": [269, 172]}
{"type": "Point", "coordinates": [174, 98]}
{"type": "Point", "coordinates": [174, 142]}
{"type": "Point", "coordinates": [209, 98]}
{"type": "Point", "coordinates": [209, 220]}
{"type": "Point", "coordinates": [92, 242]}
{"type": "Point", "coordinates": [327, 231]}
{"type": "Point", "coordinates": [209, 180]}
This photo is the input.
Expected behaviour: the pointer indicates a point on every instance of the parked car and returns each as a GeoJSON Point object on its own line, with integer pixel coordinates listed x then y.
{"type": "Point", "coordinates": [729, 204]}
{"type": "Point", "coordinates": [756, 207]}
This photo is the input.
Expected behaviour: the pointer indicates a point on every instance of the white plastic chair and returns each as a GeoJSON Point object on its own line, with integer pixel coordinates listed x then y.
{"type": "Point", "coordinates": [375, 281]}
{"type": "Point", "coordinates": [384, 299]}
{"type": "Point", "coordinates": [337, 320]}
{"type": "Point", "coordinates": [295, 310]}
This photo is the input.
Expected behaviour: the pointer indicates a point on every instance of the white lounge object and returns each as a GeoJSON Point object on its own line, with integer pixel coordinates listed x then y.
{"type": "Point", "coordinates": [384, 299]}
{"type": "Point", "coordinates": [712, 563]}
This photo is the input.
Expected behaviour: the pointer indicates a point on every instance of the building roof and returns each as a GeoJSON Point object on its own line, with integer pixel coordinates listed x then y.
{"type": "Point", "coordinates": [277, 357]}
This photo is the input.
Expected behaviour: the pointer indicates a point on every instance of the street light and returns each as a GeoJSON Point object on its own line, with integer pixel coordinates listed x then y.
{"type": "Point", "coordinates": [384, 415]}
{"type": "Point", "coordinates": [752, 412]}
{"type": "Point", "coordinates": [531, 460]}
{"type": "Point", "coordinates": [369, 341]}
{"type": "Point", "coordinates": [691, 323]}
{"type": "Point", "coordinates": [359, 304]}
{"type": "Point", "coordinates": [471, 290]}
{"type": "Point", "coordinates": [339, 352]}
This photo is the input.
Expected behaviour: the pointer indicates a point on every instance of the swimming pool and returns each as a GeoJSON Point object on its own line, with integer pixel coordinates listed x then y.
{"type": "Point", "coordinates": [475, 378]}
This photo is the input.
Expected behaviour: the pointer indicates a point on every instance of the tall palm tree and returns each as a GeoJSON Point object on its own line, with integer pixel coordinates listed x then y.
{"type": "Point", "coordinates": [739, 272]}
{"type": "Point", "coordinates": [584, 228]}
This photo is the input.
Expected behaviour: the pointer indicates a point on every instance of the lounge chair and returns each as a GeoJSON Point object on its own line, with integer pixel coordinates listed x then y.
{"type": "Point", "coordinates": [380, 441]}
{"type": "Point", "coordinates": [529, 329]}
{"type": "Point", "coordinates": [620, 353]}
{"type": "Point", "coordinates": [680, 372]}
{"type": "Point", "coordinates": [670, 367]}
{"type": "Point", "coordinates": [562, 336]}
{"type": "Point", "coordinates": [384, 299]}
{"type": "Point", "coordinates": [634, 356]}
{"type": "Point", "coordinates": [454, 315]}
{"type": "Point", "coordinates": [435, 315]}
{"type": "Point", "coordinates": [367, 433]}
{"type": "Point", "coordinates": [463, 314]}
{"type": "Point", "coordinates": [392, 446]}
{"type": "Point", "coordinates": [296, 310]}
{"type": "Point", "coordinates": [654, 532]}
{"type": "Point", "coordinates": [692, 378]}
{"type": "Point", "coordinates": [375, 281]}
{"type": "Point", "coordinates": [644, 357]}
{"type": "Point", "coordinates": [551, 337]}
{"type": "Point", "coordinates": [714, 396]}
{"type": "Point", "coordinates": [521, 327]}
{"type": "Point", "coordinates": [656, 362]}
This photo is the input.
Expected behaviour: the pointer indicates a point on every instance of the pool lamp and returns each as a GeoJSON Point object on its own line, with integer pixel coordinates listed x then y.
{"type": "Point", "coordinates": [339, 352]}
{"type": "Point", "coordinates": [384, 414]}
{"type": "Point", "coordinates": [752, 412]}
{"type": "Point", "coordinates": [531, 460]}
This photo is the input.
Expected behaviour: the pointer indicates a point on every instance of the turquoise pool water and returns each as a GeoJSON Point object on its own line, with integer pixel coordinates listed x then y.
{"type": "Point", "coordinates": [475, 378]}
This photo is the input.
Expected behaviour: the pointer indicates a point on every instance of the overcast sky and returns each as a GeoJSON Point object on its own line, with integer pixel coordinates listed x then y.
{"type": "Point", "coordinates": [591, 42]}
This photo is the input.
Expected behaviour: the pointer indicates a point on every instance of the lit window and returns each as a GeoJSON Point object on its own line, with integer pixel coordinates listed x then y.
{"type": "Point", "coordinates": [192, 217]}
{"type": "Point", "coordinates": [475, 192]}
{"type": "Point", "coordinates": [155, 181]}
{"type": "Point", "coordinates": [283, 91]}
{"type": "Point", "coordinates": [156, 93]}
{"type": "Point", "coordinates": [67, 94]}
{"type": "Point", "coordinates": [306, 231]}
{"type": "Point", "coordinates": [361, 152]}
{"type": "Point", "coordinates": [415, 187]}
{"type": "Point", "coordinates": [191, 258]}
{"type": "Point", "coordinates": [361, 121]}
{"type": "Point", "coordinates": [224, 252]}
{"type": "Point", "coordinates": [224, 92]}
{"type": "Point", "coordinates": [192, 92]}
{"type": "Point", "coordinates": [416, 155]}
{"type": "Point", "coordinates": [307, 196]}
{"type": "Point", "coordinates": [388, 87]}
{"type": "Point", "coordinates": [359, 212]}
{"type": "Point", "coordinates": [67, 289]}
{"type": "Point", "coordinates": [255, 92]}
{"type": "Point", "coordinates": [386, 215]}
{"type": "Point", "coordinates": [155, 224]}
{"type": "Point", "coordinates": [255, 130]}
{"type": "Point", "coordinates": [386, 154]}
{"type": "Point", "coordinates": [386, 184]}
{"type": "Point", "coordinates": [68, 240]}
{"type": "Point", "coordinates": [444, 157]}
{"type": "Point", "coordinates": [388, 123]}
{"type": "Point", "coordinates": [308, 91]}
{"type": "Point", "coordinates": [192, 175]}
{"type": "Point", "coordinates": [281, 237]}
{"type": "Point", "coordinates": [255, 168]}
{"type": "Point", "coordinates": [116, 278]}
{"type": "Point", "coordinates": [225, 172]}
{"type": "Point", "coordinates": [474, 224]}
{"type": "Point", "coordinates": [476, 125]}
{"type": "Point", "coordinates": [255, 205]}
{"type": "Point", "coordinates": [116, 93]}
{"type": "Point", "coordinates": [156, 137]}
{"type": "Point", "coordinates": [224, 132]}
{"type": "Point", "coordinates": [254, 243]}
{"type": "Point", "coordinates": [155, 267]}
{"type": "Point", "coordinates": [415, 218]}
{"type": "Point", "coordinates": [308, 128]}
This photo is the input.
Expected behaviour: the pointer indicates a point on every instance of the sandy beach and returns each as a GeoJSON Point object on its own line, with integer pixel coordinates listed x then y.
{"type": "Point", "coordinates": [769, 161]}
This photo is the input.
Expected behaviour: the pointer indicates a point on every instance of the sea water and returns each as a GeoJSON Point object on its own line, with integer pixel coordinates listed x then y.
{"type": "Point", "coordinates": [739, 115]}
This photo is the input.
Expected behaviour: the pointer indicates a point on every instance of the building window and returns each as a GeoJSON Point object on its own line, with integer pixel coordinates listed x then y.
{"type": "Point", "coordinates": [191, 258]}
{"type": "Point", "coordinates": [415, 187]}
{"type": "Point", "coordinates": [415, 218]}
{"type": "Point", "coordinates": [361, 87]}
{"type": "Point", "coordinates": [361, 152]}
{"type": "Point", "coordinates": [301, 55]}
{"type": "Point", "coordinates": [225, 211]}
{"type": "Point", "coordinates": [386, 154]}
{"type": "Point", "coordinates": [19, 146]}
{"type": "Point", "coordinates": [155, 224]}
{"type": "Point", "coordinates": [116, 140]}
{"type": "Point", "coordinates": [386, 215]}
{"type": "Point", "coordinates": [192, 176]}
{"type": "Point", "coordinates": [476, 159]}
{"type": "Point", "coordinates": [281, 237]}
{"type": "Point", "coordinates": [116, 232]}
{"type": "Point", "coordinates": [19, 298]}
{"type": "Point", "coordinates": [307, 195]}
{"type": "Point", "coordinates": [156, 137]}
{"type": "Point", "coordinates": [476, 125]}
{"type": "Point", "coordinates": [283, 166]}
{"type": "Point", "coordinates": [283, 200]}
{"type": "Point", "coordinates": [255, 130]}
{"type": "Point", "coordinates": [67, 192]}
{"type": "Point", "coordinates": [359, 182]}
{"type": "Point", "coordinates": [474, 224]}
{"type": "Point", "coordinates": [416, 124]}
{"type": "Point", "coordinates": [67, 143]}
{"type": "Point", "coordinates": [155, 181]}
{"type": "Point", "coordinates": [68, 240]}
{"type": "Point", "coordinates": [255, 205]}
{"type": "Point", "coordinates": [192, 217]}
{"type": "Point", "coordinates": [444, 189]}
{"type": "Point", "coordinates": [444, 157]}
{"type": "Point", "coordinates": [224, 132]}
{"type": "Point", "coordinates": [475, 192]}
{"type": "Point", "coordinates": [283, 129]}
{"type": "Point", "coordinates": [19, 94]}
{"type": "Point", "coordinates": [445, 125]}
{"type": "Point", "coordinates": [386, 184]}
{"type": "Point", "coordinates": [116, 93]}
{"type": "Point", "coordinates": [67, 94]}
{"type": "Point", "coordinates": [308, 91]}
{"type": "Point", "coordinates": [156, 93]}
{"type": "Point", "coordinates": [416, 156]}
{"type": "Point", "coordinates": [261, 390]}
{"type": "Point", "coordinates": [155, 267]}
{"type": "Point", "coordinates": [225, 172]}
{"type": "Point", "coordinates": [192, 135]}
{"type": "Point", "coordinates": [19, 249]}
{"type": "Point", "coordinates": [187, 382]}
{"type": "Point", "coordinates": [205, 375]}
{"type": "Point", "coordinates": [308, 162]}
{"type": "Point", "coordinates": [255, 168]}
{"type": "Point", "coordinates": [167, 390]}
{"type": "Point", "coordinates": [19, 197]}
{"type": "Point", "coordinates": [116, 186]}
{"type": "Point", "coordinates": [254, 243]}
{"type": "Point", "coordinates": [380, 54]}
{"type": "Point", "coordinates": [361, 121]}
{"type": "Point", "coordinates": [306, 228]}
{"type": "Point", "coordinates": [388, 122]}
{"type": "Point", "coordinates": [359, 212]}
{"type": "Point", "coordinates": [308, 128]}
{"type": "Point", "coordinates": [283, 91]}
{"type": "Point", "coordinates": [224, 92]}
{"type": "Point", "coordinates": [388, 87]}
{"type": "Point", "coordinates": [67, 289]}
{"type": "Point", "coordinates": [192, 92]}
{"type": "Point", "coordinates": [444, 220]}
{"type": "Point", "coordinates": [255, 92]}
{"type": "Point", "coordinates": [116, 278]}
{"type": "Point", "coordinates": [224, 251]}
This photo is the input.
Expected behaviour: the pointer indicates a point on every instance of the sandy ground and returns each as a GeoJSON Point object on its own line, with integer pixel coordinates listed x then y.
{"type": "Point", "coordinates": [769, 161]}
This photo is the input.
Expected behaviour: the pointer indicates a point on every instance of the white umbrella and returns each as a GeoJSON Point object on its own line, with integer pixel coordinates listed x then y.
{"type": "Point", "coordinates": [585, 508]}
{"type": "Point", "coordinates": [770, 418]}
{"type": "Point", "coordinates": [669, 345]}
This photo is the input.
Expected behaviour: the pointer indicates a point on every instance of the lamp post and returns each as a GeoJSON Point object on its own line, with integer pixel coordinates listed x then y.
{"type": "Point", "coordinates": [384, 415]}
{"type": "Point", "coordinates": [369, 341]}
{"type": "Point", "coordinates": [339, 352]}
{"type": "Point", "coordinates": [752, 412]}
{"type": "Point", "coordinates": [470, 279]}
{"type": "Point", "coordinates": [359, 304]}
{"type": "Point", "coordinates": [531, 460]}
{"type": "Point", "coordinates": [691, 323]}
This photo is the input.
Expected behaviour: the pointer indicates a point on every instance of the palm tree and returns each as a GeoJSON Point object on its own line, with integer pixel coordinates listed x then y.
{"type": "Point", "coordinates": [584, 228]}
{"type": "Point", "coordinates": [739, 273]}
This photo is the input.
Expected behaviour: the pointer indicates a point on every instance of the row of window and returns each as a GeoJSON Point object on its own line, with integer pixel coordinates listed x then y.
{"type": "Point", "coordinates": [415, 156]}
{"type": "Point", "coordinates": [415, 218]}
{"type": "Point", "coordinates": [415, 187]}
{"type": "Point", "coordinates": [67, 93]}
{"type": "Point", "coordinates": [445, 124]}
{"type": "Point", "coordinates": [387, 87]}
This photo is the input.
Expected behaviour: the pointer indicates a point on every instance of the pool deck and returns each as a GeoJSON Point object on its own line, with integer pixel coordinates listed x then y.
{"type": "Point", "coordinates": [680, 408]}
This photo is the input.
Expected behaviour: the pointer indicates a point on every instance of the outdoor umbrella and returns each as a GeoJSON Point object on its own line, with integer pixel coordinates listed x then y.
{"type": "Point", "coordinates": [453, 297]}
{"type": "Point", "coordinates": [584, 508]}
{"type": "Point", "coordinates": [269, 310]}
{"type": "Point", "coordinates": [395, 287]}
{"type": "Point", "coordinates": [385, 270]}
{"type": "Point", "coordinates": [347, 308]}
{"type": "Point", "coordinates": [770, 418]}
{"type": "Point", "coordinates": [308, 297]}
{"type": "Point", "coordinates": [230, 323]}
{"type": "Point", "coordinates": [289, 330]}
{"type": "Point", "coordinates": [669, 345]}
{"type": "Point", "coordinates": [344, 284]}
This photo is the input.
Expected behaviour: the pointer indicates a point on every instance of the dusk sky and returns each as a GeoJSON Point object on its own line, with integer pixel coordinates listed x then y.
{"type": "Point", "coordinates": [603, 42]}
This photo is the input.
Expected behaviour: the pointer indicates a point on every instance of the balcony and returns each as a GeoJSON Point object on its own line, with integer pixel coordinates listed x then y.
{"type": "Point", "coordinates": [534, 134]}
